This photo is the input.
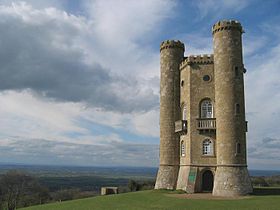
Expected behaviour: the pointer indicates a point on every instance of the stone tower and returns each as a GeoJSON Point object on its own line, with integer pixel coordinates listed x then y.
{"type": "Point", "coordinates": [232, 176]}
{"type": "Point", "coordinates": [171, 55]}
{"type": "Point", "coordinates": [202, 117]}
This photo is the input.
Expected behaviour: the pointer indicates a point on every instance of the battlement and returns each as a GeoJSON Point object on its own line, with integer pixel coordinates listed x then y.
{"type": "Point", "coordinates": [197, 59]}
{"type": "Point", "coordinates": [227, 25]}
{"type": "Point", "coordinates": [172, 44]}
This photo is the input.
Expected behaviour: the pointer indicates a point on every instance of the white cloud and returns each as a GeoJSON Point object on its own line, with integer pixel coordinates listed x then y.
{"type": "Point", "coordinates": [121, 29]}
{"type": "Point", "coordinates": [218, 8]}
{"type": "Point", "coordinates": [22, 114]}
{"type": "Point", "coordinates": [60, 58]}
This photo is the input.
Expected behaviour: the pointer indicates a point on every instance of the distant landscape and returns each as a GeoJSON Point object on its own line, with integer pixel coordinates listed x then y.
{"type": "Point", "coordinates": [49, 184]}
{"type": "Point", "coordinates": [83, 178]}
{"type": "Point", "coordinates": [116, 172]}
{"type": "Point", "coordinates": [93, 178]}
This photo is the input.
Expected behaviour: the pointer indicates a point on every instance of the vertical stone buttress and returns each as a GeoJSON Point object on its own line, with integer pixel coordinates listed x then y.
{"type": "Point", "coordinates": [231, 177]}
{"type": "Point", "coordinates": [171, 55]}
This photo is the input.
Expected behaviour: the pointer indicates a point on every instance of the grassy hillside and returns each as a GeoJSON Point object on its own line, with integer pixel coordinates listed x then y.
{"type": "Point", "coordinates": [163, 200]}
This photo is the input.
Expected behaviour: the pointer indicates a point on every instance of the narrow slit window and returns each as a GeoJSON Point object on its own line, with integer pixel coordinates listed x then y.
{"type": "Point", "coordinates": [184, 113]}
{"type": "Point", "coordinates": [182, 83]}
{"type": "Point", "coordinates": [183, 150]}
{"type": "Point", "coordinates": [236, 71]}
{"type": "Point", "coordinates": [238, 148]}
{"type": "Point", "coordinates": [237, 108]}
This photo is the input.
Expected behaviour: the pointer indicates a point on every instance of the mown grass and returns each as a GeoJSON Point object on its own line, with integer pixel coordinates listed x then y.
{"type": "Point", "coordinates": [158, 200]}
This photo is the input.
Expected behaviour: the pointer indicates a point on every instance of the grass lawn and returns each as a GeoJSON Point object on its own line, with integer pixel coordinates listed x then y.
{"type": "Point", "coordinates": [160, 200]}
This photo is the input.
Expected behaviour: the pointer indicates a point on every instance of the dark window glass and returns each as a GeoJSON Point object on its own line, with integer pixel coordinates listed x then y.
{"type": "Point", "coordinates": [206, 78]}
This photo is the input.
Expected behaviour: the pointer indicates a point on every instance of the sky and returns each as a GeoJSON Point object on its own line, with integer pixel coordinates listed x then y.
{"type": "Point", "coordinates": [79, 80]}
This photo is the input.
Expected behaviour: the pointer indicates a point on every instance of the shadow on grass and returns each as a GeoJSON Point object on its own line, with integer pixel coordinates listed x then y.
{"type": "Point", "coordinates": [266, 191]}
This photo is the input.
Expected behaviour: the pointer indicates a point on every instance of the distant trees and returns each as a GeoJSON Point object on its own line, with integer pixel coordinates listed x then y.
{"type": "Point", "coordinates": [1, 198]}
{"type": "Point", "coordinates": [268, 181]}
{"type": "Point", "coordinates": [19, 189]}
{"type": "Point", "coordinates": [64, 195]}
{"type": "Point", "coordinates": [259, 181]}
{"type": "Point", "coordinates": [132, 185]}
{"type": "Point", "coordinates": [140, 185]}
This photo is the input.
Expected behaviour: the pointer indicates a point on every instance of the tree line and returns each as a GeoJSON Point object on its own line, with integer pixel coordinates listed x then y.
{"type": "Point", "coordinates": [18, 189]}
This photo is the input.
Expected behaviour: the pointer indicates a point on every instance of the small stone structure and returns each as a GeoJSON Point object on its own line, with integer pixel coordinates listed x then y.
{"type": "Point", "coordinates": [109, 190]}
{"type": "Point", "coordinates": [202, 116]}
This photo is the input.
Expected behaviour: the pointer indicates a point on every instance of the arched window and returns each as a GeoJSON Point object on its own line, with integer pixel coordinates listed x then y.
{"type": "Point", "coordinates": [184, 113]}
{"type": "Point", "coordinates": [207, 147]}
{"type": "Point", "coordinates": [206, 109]}
{"type": "Point", "coordinates": [183, 151]}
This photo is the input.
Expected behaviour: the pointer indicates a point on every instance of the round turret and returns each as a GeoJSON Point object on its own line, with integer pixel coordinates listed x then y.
{"type": "Point", "coordinates": [231, 175]}
{"type": "Point", "coordinates": [171, 55]}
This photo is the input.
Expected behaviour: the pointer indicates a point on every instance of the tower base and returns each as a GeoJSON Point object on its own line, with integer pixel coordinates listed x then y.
{"type": "Point", "coordinates": [167, 177]}
{"type": "Point", "coordinates": [232, 181]}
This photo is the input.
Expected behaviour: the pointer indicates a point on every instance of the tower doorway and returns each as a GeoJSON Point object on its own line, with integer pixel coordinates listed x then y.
{"type": "Point", "coordinates": [207, 181]}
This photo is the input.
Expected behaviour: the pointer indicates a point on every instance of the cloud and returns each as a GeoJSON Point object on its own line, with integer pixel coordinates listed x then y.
{"type": "Point", "coordinates": [265, 153]}
{"type": "Point", "coordinates": [262, 99]}
{"type": "Point", "coordinates": [42, 151]}
{"type": "Point", "coordinates": [70, 122]}
{"type": "Point", "coordinates": [253, 45]}
{"type": "Point", "coordinates": [197, 44]}
{"type": "Point", "coordinates": [22, 114]}
{"type": "Point", "coordinates": [48, 51]}
{"type": "Point", "coordinates": [219, 8]}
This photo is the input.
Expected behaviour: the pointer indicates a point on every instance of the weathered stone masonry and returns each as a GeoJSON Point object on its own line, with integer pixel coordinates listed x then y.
{"type": "Point", "coordinates": [202, 117]}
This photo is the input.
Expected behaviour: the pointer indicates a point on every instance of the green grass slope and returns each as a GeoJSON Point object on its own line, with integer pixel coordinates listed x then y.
{"type": "Point", "coordinates": [160, 200]}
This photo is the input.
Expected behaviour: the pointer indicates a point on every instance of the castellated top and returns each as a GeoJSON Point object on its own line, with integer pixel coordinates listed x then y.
{"type": "Point", "coordinates": [172, 44]}
{"type": "Point", "coordinates": [202, 116]}
{"type": "Point", "coordinates": [198, 59]}
{"type": "Point", "coordinates": [226, 25]}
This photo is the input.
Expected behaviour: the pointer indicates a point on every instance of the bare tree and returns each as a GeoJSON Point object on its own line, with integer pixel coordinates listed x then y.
{"type": "Point", "coordinates": [14, 185]}
{"type": "Point", "coordinates": [1, 198]}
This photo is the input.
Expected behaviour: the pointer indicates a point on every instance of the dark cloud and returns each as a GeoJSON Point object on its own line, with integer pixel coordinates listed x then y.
{"type": "Point", "coordinates": [271, 143]}
{"type": "Point", "coordinates": [48, 56]}
{"type": "Point", "coordinates": [42, 151]}
{"type": "Point", "coordinates": [267, 149]}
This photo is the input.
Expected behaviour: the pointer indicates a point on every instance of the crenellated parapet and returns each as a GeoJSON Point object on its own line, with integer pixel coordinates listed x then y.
{"type": "Point", "coordinates": [227, 25]}
{"type": "Point", "coordinates": [172, 44]}
{"type": "Point", "coordinates": [197, 59]}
